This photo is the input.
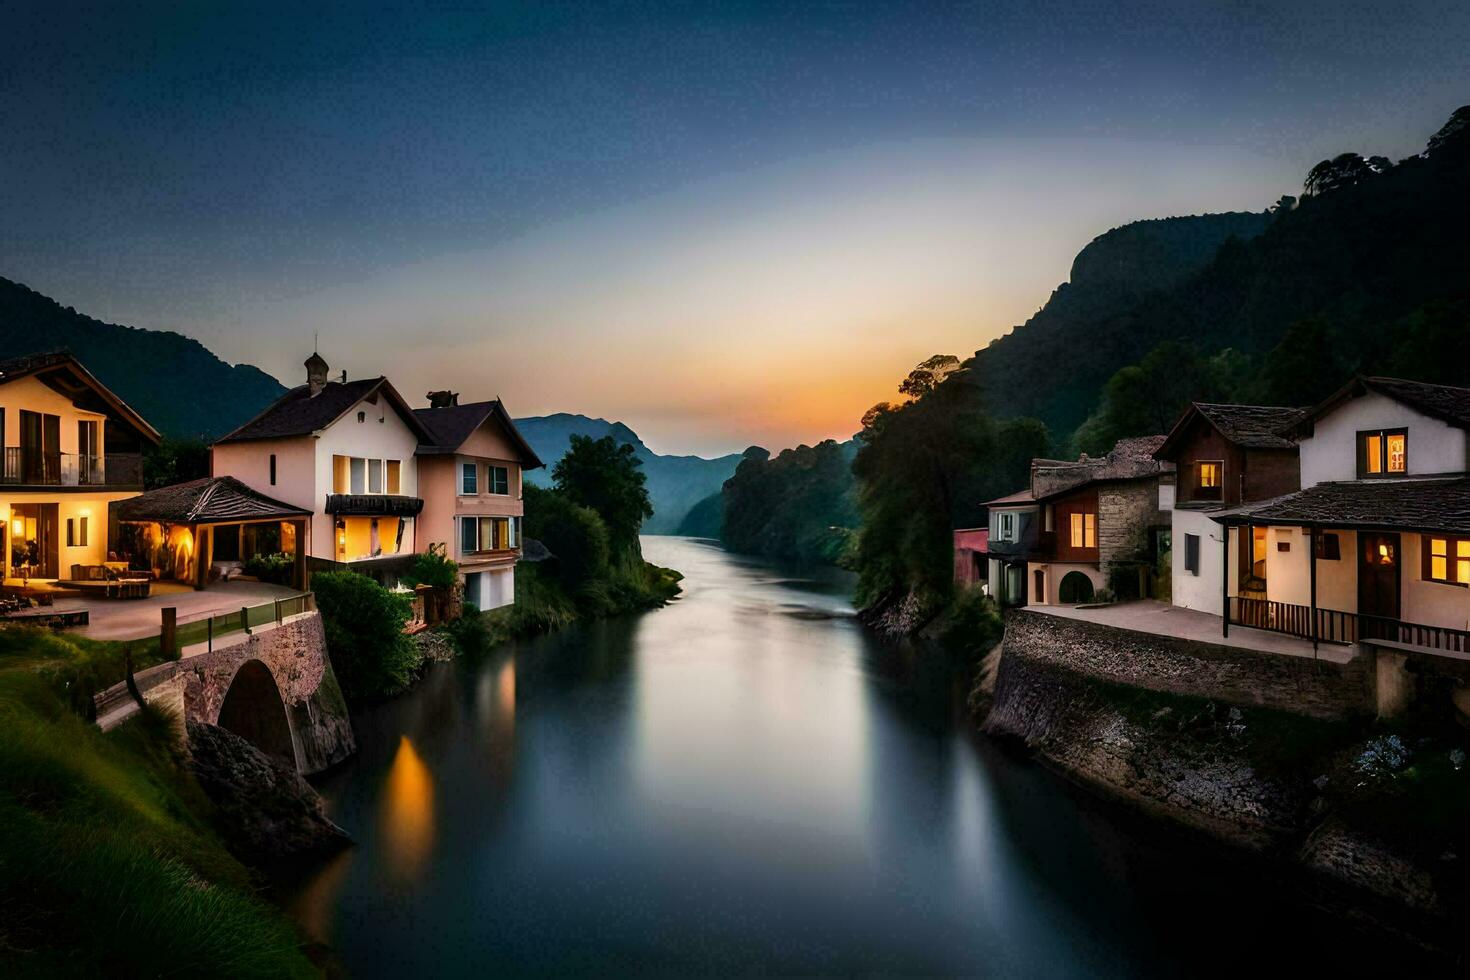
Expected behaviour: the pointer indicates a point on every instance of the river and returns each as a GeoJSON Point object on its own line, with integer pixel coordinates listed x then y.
{"type": "Point", "coordinates": [746, 781]}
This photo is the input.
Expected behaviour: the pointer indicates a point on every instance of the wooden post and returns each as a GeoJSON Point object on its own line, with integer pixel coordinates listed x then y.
{"type": "Point", "coordinates": [245, 619]}
{"type": "Point", "coordinates": [1225, 582]}
{"type": "Point", "coordinates": [168, 634]}
{"type": "Point", "coordinates": [209, 627]}
{"type": "Point", "coordinates": [1312, 557]}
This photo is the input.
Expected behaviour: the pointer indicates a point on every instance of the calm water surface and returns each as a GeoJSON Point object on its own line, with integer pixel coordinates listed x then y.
{"type": "Point", "coordinates": [746, 782]}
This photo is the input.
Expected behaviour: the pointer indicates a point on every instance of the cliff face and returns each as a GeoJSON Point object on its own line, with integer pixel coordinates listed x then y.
{"type": "Point", "coordinates": [1256, 750]}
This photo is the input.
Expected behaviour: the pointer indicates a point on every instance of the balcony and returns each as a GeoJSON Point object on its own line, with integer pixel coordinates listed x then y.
{"type": "Point", "coordinates": [1335, 626]}
{"type": "Point", "coordinates": [29, 467]}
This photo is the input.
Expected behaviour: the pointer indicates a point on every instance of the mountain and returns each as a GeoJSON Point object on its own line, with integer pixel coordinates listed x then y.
{"type": "Point", "coordinates": [1052, 366]}
{"type": "Point", "coordinates": [1368, 272]}
{"type": "Point", "coordinates": [172, 381]}
{"type": "Point", "coordinates": [675, 483]}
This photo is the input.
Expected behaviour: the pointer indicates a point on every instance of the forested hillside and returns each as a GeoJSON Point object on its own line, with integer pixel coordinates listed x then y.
{"type": "Point", "coordinates": [175, 382]}
{"type": "Point", "coordinates": [1370, 270]}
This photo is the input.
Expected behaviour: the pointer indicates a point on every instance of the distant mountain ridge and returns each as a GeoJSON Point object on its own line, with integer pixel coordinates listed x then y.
{"type": "Point", "coordinates": [173, 381]}
{"type": "Point", "coordinates": [675, 483]}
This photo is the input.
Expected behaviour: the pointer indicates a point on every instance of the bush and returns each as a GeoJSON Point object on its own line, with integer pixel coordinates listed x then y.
{"type": "Point", "coordinates": [469, 632]}
{"type": "Point", "coordinates": [275, 568]}
{"type": "Point", "coordinates": [364, 625]}
{"type": "Point", "coordinates": [575, 535]}
{"type": "Point", "coordinates": [434, 568]}
{"type": "Point", "coordinates": [975, 625]}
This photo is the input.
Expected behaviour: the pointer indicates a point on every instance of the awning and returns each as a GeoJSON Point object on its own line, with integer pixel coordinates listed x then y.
{"type": "Point", "coordinates": [373, 505]}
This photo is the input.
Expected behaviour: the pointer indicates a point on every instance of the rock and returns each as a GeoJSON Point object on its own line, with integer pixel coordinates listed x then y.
{"type": "Point", "coordinates": [268, 813]}
{"type": "Point", "coordinates": [435, 645]}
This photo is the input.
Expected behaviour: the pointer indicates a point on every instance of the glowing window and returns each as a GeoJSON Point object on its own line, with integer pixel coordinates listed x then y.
{"type": "Point", "coordinates": [1447, 560]}
{"type": "Point", "coordinates": [1209, 476]}
{"type": "Point", "coordinates": [1398, 456]}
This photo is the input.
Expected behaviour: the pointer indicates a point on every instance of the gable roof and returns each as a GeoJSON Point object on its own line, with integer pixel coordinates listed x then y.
{"type": "Point", "coordinates": [1449, 404]}
{"type": "Point", "coordinates": [1018, 499]}
{"type": "Point", "coordinates": [451, 425]}
{"type": "Point", "coordinates": [54, 367]}
{"type": "Point", "coordinates": [1249, 426]}
{"type": "Point", "coordinates": [210, 500]}
{"type": "Point", "coordinates": [299, 413]}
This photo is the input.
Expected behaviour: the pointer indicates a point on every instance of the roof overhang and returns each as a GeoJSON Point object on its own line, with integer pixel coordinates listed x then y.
{"type": "Point", "coordinates": [42, 365]}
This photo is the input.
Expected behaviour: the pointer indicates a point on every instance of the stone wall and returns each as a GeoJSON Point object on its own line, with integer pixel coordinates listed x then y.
{"type": "Point", "coordinates": [1125, 513]}
{"type": "Point", "coordinates": [1316, 688]}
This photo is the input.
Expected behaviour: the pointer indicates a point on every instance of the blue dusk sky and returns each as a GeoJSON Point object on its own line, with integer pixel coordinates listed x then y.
{"type": "Point", "coordinates": [723, 224]}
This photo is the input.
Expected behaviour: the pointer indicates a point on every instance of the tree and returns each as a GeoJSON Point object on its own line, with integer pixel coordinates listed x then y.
{"type": "Point", "coordinates": [175, 461]}
{"type": "Point", "coordinates": [928, 375]}
{"type": "Point", "coordinates": [1146, 399]}
{"type": "Point", "coordinates": [364, 626]}
{"type": "Point", "coordinates": [576, 537]}
{"type": "Point", "coordinates": [606, 476]}
{"type": "Point", "coordinates": [1343, 170]}
{"type": "Point", "coordinates": [1302, 369]}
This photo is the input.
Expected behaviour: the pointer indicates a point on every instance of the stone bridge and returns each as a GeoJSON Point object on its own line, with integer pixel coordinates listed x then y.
{"type": "Point", "coordinates": [273, 687]}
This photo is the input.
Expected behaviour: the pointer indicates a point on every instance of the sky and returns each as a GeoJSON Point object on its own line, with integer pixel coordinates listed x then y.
{"type": "Point", "coordinates": [723, 224]}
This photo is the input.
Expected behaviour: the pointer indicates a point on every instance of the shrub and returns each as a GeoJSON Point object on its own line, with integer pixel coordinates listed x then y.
{"type": "Point", "coordinates": [434, 568]}
{"type": "Point", "coordinates": [470, 635]}
{"type": "Point", "coordinates": [575, 535]}
{"type": "Point", "coordinates": [364, 625]}
{"type": "Point", "coordinates": [974, 625]}
{"type": "Point", "coordinates": [275, 568]}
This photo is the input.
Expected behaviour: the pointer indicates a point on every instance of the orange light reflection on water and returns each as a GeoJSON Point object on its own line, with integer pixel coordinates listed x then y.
{"type": "Point", "coordinates": [408, 814]}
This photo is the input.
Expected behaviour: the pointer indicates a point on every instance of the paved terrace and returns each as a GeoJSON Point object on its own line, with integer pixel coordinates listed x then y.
{"type": "Point", "coordinates": [131, 619]}
{"type": "Point", "coordinates": [1162, 619]}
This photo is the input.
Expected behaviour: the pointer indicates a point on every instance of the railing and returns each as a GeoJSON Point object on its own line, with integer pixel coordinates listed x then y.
{"type": "Point", "coordinates": [1335, 626]}
{"type": "Point", "coordinates": [32, 467]}
{"type": "Point", "coordinates": [211, 628]}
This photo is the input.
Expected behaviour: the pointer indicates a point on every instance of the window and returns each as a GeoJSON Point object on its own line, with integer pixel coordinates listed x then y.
{"type": "Point", "coordinates": [469, 530]}
{"type": "Point", "coordinates": [477, 534]}
{"type": "Point", "coordinates": [76, 532]}
{"type": "Point", "coordinates": [1008, 527]}
{"type": "Point", "coordinates": [1446, 560]}
{"type": "Point", "coordinates": [273, 469]}
{"type": "Point", "coordinates": [1084, 530]}
{"type": "Point", "coordinates": [395, 474]}
{"type": "Point", "coordinates": [375, 475]}
{"type": "Point", "coordinates": [357, 468]}
{"type": "Point", "coordinates": [469, 478]}
{"type": "Point", "coordinates": [1329, 548]}
{"type": "Point", "coordinates": [1191, 553]}
{"type": "Point", "coordinates": [1383, 452]}
{"type": "Point", "coordinates": [362, 416]}
{"type": "Point", "coordinates": [339, 474]}
{"type": "Point", "coordinates": [498, 478]}
{"type": "Point", "coordinates": [1210, 478]}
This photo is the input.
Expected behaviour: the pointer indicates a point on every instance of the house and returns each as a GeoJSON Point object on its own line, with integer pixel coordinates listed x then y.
{"type": "Point", "coordinates": [470, 479]}
{"type": "Point", "coordinates": [1376, 543]}
{"type": "Point", "coordinates": [72, 449]}
{"type": "Point", "coordinates": [1081, 525]}
{"type": "Point", "coordinates": [971, 544]}
{"type": "Point", "coordinates": [1224, 456]}
{"type": "Point", "coordinates": [1103, 522]}
{"type": "Point", "coordinates": [344, 452]}
{"type": "Point", "coordinates": [1012, 541]}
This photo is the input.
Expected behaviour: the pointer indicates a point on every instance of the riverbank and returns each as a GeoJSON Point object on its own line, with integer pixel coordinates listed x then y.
{"type": "Point", "coordinates": [1368, 818]}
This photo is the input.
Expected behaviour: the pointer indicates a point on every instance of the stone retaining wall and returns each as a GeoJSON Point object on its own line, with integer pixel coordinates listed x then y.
{"type": "Point", "coordinates": [1317, 688]}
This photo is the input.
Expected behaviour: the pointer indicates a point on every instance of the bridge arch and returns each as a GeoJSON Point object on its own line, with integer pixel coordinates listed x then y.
{"type": "Point", "coordinates": [253, 709]}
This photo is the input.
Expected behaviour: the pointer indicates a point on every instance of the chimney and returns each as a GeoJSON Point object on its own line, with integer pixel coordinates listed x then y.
{"type": "Point", "coordinates": [316, 373]}
{"type": "Point", "coordinates": [442, 399]}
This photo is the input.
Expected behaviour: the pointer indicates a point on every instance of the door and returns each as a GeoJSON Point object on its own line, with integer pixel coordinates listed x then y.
{"type": "Point", "coordinates": [89, 457]}
{"type": "Point", "coordinates": [1378, 585]}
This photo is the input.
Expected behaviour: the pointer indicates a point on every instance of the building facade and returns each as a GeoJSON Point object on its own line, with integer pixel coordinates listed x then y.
{"type": "Point", "coordinates": [72, 449]}
{"type": "Point", "coordinates": [471, 478]}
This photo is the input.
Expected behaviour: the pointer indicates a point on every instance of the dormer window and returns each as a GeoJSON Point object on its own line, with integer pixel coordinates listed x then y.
{"type": "Point", "coordinates": [1383, 452]}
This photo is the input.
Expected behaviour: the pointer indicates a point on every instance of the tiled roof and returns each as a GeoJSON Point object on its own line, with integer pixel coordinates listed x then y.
{"type": "Point", "coordinates": [211, 500]}
{"type": "Point", "coordinates": [1253, 426]}
{"type": "Point", "coordinates": [451, 425]}
{"type": "Point", "coordinates": [1407, 504]}
{"type": "Point", "coordinates": [1129, 459]}
{"type": "Point", "coordinates": [299, 413]}
{"type": "Point", "coordinates": [13, 368]}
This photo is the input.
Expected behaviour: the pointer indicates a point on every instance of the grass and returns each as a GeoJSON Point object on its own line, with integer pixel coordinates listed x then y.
{"type": "Point", "coordinates": [108, 864]}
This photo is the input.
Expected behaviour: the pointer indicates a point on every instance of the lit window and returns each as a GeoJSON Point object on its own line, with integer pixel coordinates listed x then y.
{"type": "Point", "coordinates": [1076, 530]}
{"type": "Point", "coordinates": [339, 474]}
{"type": "Point", "coordinates": [1209, 476]}
{"type": "Point", "coordinates": [1090, 523]}
{"type": "Point", "coordinates": [1398, 456]}
{"type": "Point", "coordinates": [1084, 530]}
{"type": "Point", "coordinates": [1447, 560]}
{"type": "Point", "coordinates": [1373, 454]}
{"type": "Point", "coordinates": [1383, 453]}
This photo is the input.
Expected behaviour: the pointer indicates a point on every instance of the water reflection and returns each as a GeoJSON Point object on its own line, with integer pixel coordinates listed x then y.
{"type": "Point", "coordinates": [746, 782]}
{"type": "Point", "coordinates": [407, 818]}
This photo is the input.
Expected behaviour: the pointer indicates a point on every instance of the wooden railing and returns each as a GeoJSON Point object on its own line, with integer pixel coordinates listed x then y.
{"type": "Point", "coordinates": [1335, 626]}
{"type": "Point", "coordinates": [27, 466]}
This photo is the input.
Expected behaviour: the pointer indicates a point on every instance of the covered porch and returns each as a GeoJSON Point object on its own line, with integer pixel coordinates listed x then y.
{"type": "Point", "coordinates": [214, 529]}
{"type": "Point", "coordinates": [1386, 562]}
